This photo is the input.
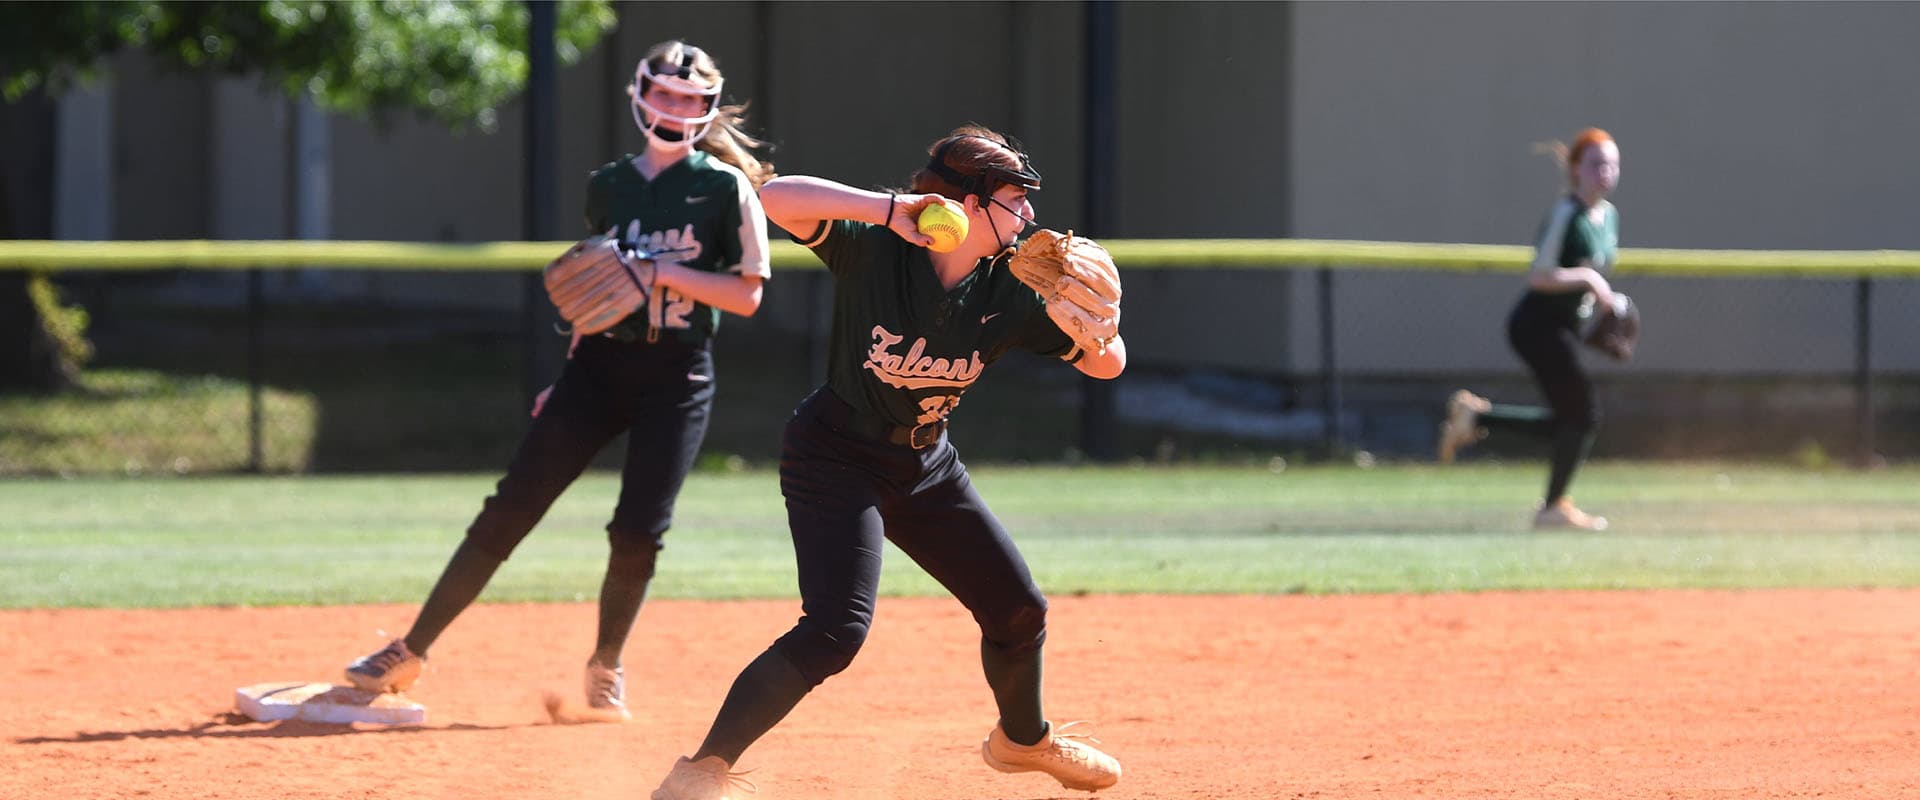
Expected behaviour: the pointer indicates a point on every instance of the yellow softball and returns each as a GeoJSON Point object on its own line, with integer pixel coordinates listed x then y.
{"type": "Point", "coordinates": [945, 224]}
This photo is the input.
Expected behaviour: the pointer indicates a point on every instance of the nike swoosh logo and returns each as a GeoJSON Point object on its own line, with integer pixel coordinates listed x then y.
{"type": "Point", "coordinates": [691, 199]}
{"type": "Point", "coordinates": [983, 320]}
{"type": "Point", "coordinates": [697, 377]}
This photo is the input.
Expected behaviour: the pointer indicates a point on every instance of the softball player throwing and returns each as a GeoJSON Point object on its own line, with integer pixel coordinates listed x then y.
{"type": "Point", "coordinates": [1578, 242]}
{"type": "Point", "coordinates": [866, 456]}
{"type": "Point", "coordinates": [690, 193]}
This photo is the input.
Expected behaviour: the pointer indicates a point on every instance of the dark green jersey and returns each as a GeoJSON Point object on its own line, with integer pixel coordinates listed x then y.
{"type": "Point", "coordinates": [701, 203]}
{"type": "Point", "coordinates": [1571, 237]}
{"type": "Point", "coordinates": [903, 348]}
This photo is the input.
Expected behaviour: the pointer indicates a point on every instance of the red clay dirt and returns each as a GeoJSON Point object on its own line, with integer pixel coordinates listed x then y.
{"type": "Point", "coordinates": [1529, 695]}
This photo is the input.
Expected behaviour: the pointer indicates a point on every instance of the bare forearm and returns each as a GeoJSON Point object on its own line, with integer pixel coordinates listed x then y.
{"type": "Point", "coordinates": [799, 203]}
{"type": "Point", "coordinates": [734, 294]}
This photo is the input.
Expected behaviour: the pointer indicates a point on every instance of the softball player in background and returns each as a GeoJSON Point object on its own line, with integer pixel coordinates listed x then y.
{"type": "Point", "coordinates": [690, 193]}
{"type": "Point", "coordinates": [866, 456]}
{"type": "Point", "coordinates": [1577, 244]}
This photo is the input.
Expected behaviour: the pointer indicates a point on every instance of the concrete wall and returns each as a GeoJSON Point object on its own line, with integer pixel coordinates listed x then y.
{"type": "Point", "coordinates": [1741, 125]}
{"type": "Point", "coordinates": [1762, 125]}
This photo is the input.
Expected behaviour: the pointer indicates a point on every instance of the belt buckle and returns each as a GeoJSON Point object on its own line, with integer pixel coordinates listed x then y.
{"type": "Point", "coordinates": [924, 435]}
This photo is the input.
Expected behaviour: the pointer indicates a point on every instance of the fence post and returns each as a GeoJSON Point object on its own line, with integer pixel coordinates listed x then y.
{"type": "Point", "coordinates": [537, 148]}
{"type": "Point", "coordinates": [1329, 366]}
{"type": "Point", "coordinates": [1100, 159]}
{"type": "Point", "coordinates": [256, 298]}
{"type": "Point", "coordinates": [1863, 444]}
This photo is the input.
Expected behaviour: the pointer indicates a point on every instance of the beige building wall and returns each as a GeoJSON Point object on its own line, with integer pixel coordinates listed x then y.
{"type": "Point", "coordinates": [1742, 125]}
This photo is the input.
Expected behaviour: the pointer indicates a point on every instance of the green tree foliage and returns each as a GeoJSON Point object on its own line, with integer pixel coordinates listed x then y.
{"type": "Point", "coordinates": [456, 60]}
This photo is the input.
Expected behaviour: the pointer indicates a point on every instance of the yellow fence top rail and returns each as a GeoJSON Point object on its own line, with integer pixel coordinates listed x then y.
{"type": "Point", "coordinates": [1130, 253]}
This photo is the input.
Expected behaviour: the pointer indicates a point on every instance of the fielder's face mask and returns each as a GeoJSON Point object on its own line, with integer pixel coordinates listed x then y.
{"type": "Point", "coordinates": [678, 78]}
{"type": "Point", "coordinates": [991, 176]}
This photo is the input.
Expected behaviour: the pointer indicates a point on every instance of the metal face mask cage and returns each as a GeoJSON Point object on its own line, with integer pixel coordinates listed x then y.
{"type": "Point", "coordinates": [679, 79]}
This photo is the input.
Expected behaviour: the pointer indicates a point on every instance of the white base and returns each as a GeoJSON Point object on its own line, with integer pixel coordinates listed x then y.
{"type": "Point", "coordinates": [325, 702]}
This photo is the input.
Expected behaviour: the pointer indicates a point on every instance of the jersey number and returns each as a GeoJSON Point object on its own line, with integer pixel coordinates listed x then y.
{"type": "Point", "coordinates": [937, 407]}
{"type": "Point", "coordinates": [670, 310]}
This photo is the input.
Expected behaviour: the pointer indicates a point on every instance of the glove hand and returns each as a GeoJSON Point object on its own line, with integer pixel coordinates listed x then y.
{"type": "Point", "coordinates": [595, 284]}
{"type": "Point", "coordinates": [1090, 329]}
{"type": "Point", "coordinates": [1077, 279]}
{"type": "Point", "coordinates": [1614, 328]}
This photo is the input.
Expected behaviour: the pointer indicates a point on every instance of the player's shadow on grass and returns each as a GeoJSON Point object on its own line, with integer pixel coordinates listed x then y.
{"type": "Point", "coordinates": [237, 726]}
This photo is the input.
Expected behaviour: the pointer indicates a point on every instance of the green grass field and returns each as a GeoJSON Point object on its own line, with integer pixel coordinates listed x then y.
{"type": "Point", "coordinates": [136, 421]}
{"type": "Point", "coordinates": [160, 542]}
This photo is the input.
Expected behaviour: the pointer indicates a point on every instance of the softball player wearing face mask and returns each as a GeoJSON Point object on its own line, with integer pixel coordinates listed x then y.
{"type": "Point", "coordinates": [866, 456]}
{"type": "Point", "coordinates": [688, 197]}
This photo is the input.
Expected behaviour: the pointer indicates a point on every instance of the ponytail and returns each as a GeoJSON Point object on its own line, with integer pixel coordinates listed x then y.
{"type": "Point", "coordinates": [727, 142]}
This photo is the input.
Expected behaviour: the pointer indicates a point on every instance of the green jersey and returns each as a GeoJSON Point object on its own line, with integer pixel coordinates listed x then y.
{"type": "Point", "coordinates": [904, 348]}
{"type": "Point", "coordinates": [700, 203]}
{"type": "Point", "coordinates": [1571, 236]}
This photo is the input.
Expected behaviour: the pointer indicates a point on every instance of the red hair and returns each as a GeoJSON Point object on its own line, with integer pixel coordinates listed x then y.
{"type": "Point", "coordinates": [1581, 143]}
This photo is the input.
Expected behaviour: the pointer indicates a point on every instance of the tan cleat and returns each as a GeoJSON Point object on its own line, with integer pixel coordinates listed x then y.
{"type": "Point", "coordinates": [706, 779]}
{"type": "Point", "coordinates": [1563, 515]}
{"type": "Point", "coordinates": [1461, 429]}
{"type": "Point", "coordinates": [1074, 763]}
{"type": "Point", "coordinates": [393, 668]}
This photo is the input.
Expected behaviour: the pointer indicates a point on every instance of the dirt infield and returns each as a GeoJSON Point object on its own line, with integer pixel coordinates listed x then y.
{"type": "Point", "coordinates": [1548, 695]}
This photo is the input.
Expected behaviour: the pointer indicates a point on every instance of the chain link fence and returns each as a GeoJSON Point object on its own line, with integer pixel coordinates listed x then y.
{"type": "Point", "coordinates": [339, 370]}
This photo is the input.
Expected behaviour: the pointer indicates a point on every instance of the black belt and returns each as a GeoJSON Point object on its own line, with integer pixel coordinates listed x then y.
{"type": "Point", "coordinates": [842, 416]}
{"type": "Point", "coordinates": [632, 329]}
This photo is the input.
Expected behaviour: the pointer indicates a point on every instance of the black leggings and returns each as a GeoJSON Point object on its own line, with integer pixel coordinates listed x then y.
{"type": "Point", "coordinates": [659, 394]}
{"type": "Point", "coordinates": [1547, 343]}
{"type": "Point", "coordinates": [846, 494]}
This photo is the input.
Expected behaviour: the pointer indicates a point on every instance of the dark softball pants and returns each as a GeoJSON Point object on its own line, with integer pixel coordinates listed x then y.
{"type": "Point", "coordinates": [1548, 344]}
{"type": "Point", "coordinates": [845, 494]}
{"type": "Point", "coordinates": [660, 394]}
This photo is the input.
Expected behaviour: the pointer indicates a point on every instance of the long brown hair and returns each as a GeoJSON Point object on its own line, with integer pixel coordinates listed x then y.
{"type": "Point", "coordinates": [727, 140]}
